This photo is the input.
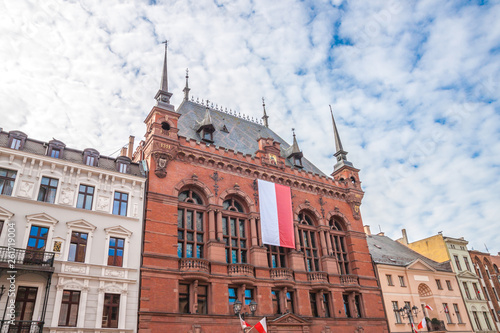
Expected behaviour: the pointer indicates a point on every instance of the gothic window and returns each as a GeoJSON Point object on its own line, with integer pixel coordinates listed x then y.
{"type": "Point", "coordinates": [190, 225]}
{"type": "Point", "coordinates": [235, 231]}
{"type": "Point", "coordinates": [308, 241]}
{"type": "Point", "coordinates": [339, 248]}
{"type": "Point", "coordinates": [276, 256]}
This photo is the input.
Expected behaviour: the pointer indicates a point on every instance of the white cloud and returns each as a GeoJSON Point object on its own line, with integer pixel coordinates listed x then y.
{"type": "Point", "coordinates": [86, 73]}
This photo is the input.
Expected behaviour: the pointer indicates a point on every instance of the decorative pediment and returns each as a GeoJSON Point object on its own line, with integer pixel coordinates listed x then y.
{"type": "Point", "coordinates": [81, 224]}
{"type": "Point", "coordinates": [5, 214]}
{"type": "Point", "coordinates": [41, 218]}
{"type": "Point", "coordinates": [420, 265]}
{"type": "Point", "coordinates": [289, 319]}
{"type": "Point", "coordinates": [119, 230]}
{"type": "Point", "coordinates": [467, 275]}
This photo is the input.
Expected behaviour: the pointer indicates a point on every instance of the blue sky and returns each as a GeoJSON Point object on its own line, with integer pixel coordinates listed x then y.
{"type": "Point", "coordinates": [414, 87]}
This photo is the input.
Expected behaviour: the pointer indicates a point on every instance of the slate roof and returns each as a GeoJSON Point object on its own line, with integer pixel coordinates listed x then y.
{"type": "Point", "coordinates": [242, 136]}
{"type": "Point", "coordinates": [71, 155]}
{"type": "Point", "coordinates": [389, 252]}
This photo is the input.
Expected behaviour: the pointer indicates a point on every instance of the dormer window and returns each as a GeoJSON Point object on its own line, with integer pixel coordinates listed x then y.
{"type": "Point", "coordinates": [208, 136]}
{"type": "Point", "coordinates": [297, 161]}
{"type": "Point", "coordinates": [16, 140]}
{"type": "Point", "coordinates": [91, 157]}
{"type": "Point", "coordinates": [206, 128]}
{"type": "Point", "coordinates": [123, 164]}
{"type": "Point", "coordinates": [55, 149]}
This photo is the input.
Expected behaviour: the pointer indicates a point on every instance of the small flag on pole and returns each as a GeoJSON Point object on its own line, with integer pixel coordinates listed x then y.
{"type": "Point", "coordinates": [244, 324]}
{"type": "Point", "coordinates": [261, 326]}
{"type": "Point", "coordinates": [422, 324]}
{"type": "Point", "coordinates": [427, 306]}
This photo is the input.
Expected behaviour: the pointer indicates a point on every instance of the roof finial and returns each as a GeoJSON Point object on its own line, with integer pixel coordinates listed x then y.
{"type": "Point", "coordinates": [265, 117]}
{"type": "Point", "coordinates": [163, 95]}
{"type": "Point", "coordinates": [340, 153]}
{"type": "Point", "coordinates": [186, 88]}
{"type": "Point", "coordinates": [294, 152]}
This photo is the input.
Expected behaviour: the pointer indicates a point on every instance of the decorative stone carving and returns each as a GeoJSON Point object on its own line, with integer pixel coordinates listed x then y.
{"type": "Point", "coordinates": [57, 246]}
{"type": "Point", "coordinates": [26, 189]}
{"type": "Point", "coordinates": [103, 203]}
{"type": "Point", "coordinates": [114, 273]}
{"type": "Point", "coordinates": [162, 158]}
{"type": "Point", "coordinates": [74, 269]}
{"type": "Point", "coordinates": [354, 201]}
{"type": "Point", "coordinates": [67, 195]}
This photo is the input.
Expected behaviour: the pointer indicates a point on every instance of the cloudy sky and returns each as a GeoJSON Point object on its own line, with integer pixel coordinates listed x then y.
{"type": "Point", "coordinates": [414, 86]}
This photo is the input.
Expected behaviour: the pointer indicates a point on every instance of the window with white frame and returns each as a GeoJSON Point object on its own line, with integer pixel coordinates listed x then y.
{"type": "Point", "coordinates": [117, 246]}
{"type": "Point", "coordinates": [80, 240]}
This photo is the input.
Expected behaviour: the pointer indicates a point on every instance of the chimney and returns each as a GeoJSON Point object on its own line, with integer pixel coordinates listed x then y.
{"type": "Point", "coordinates": [130, 146]}
{"type": "Point", "coordinates": [381, 234]}
{"type": "Point", "coordinates": [404, 240]}
{"type": "Point", "coordinates": [367, 230]}
{"type": "Point", "coordinates": [123, 151]}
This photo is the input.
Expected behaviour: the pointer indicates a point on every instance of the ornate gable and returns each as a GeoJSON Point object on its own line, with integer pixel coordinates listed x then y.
{"type": "Point", "coordinates": [467, 275]}
{"type": "Point", "coordinates": [289, 322]}
{"type": "Point", "coordinates": [420, 265]}
{"type": "Point", "coordinates": [41, 218]}
{"type": "Point", "coordinates": [118, 230]}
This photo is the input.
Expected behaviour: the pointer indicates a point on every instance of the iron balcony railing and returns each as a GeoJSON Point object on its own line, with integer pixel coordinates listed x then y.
{"type": "Point", "coordinates": [22, 327]}
{"type": "Point", "coordinates": [15, 256]}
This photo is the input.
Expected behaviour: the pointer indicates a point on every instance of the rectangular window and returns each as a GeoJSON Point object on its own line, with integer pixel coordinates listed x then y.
{"type": "Point", "coordinates": [202, 297]}
{"type": "Point", "coordinates": [457, 313]}
{"type": "Point", "coordinates": [402, 281]}
{"type": "Point", "coordinates": [85, 197]}
{"type": "Point", "coordinates": [7, 178]}
{"type": "Point", "coordinates": [476, 320]}
{"type": "Point", "coordinates": [110, 311]}
{"type": "Point", "coordinates": [357, 303]}
{"type": "Point", "coordinates": [78, 246]}
{"type": "Point", "coordinates": [15, 143]}
{"type": "Point", "coordinates": [25, 305]}
{"type": "Point", "coordinates": [122, 167]}
{"type": "Point", "coordinates": [488, 273]}
{"type": "Point", "coordinates": [476, 290]}
{"type": "Point", "coordinates": [438, 284]}
{"type": "Point", "coordinates": [38, 238]}
{"type": "Point", "coordinates": [447, 312]}
{"type": "Point", "coordinates": [347, 309]}
{"type": "Point", "coordinates": [495, 293]}
{"type": "Point", "coordinates": [55, 153]}
{"type": "Point", "coordinates": [314, 307]}
{"type": "Point", "coordinates": [115, 252]}
{"type": "Point", "coordinates": [69, 308]}
{"type": "Point", "coordinates": [326, 304]}
{"type": "Point", "coordinates": [90, 160]}
{"type": "Point", "coordinates": [389, 280]}
{"type": "Point", "coordinates": [397, 315]}
{"type": "Point", "coordinates": [448, 284]}
{"type": "Point", "coordinates": [48, 189]}
{"type": "Point", "coordinates": [290, 304]}
{"type": "Point", "coordinates": [466, 261]}
{"type": "Point", "coordinates": [493, 314]}
{"type": "Point", "coordinates": [487, 320]}
{"type": "Point", "coordinates": [457, 262]}
{"type": "Point", "coordinates": [486, 294]}
{"type": "Point", "coordinates": [184, 298]}
{"type": "Point", "coordinates": [466, 289]}
{"type": "Point", "coordinates": [275, 298]}
{"type": "Point", "coordinates": [233, 295]}
{"type": "Point", "coordinates": [120, 204]}
{"type": "Point", "coordinates": [248, 296]}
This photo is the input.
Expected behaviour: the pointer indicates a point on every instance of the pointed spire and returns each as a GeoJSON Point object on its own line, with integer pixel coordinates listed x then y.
{"type": "Point", "coordinates": [163, 95]}
{"type": "Point", "coordinates": [340, 153]}
{"type": "Point", "coordinates": [294, 152]}
{"type": "Point", "coordinates": [207, 120]}
{"type": "Point", "coordinates": [295, 146]}
{"type": "Point", "coordinates": [186, 88]}
{"type": "Point", "coordinates": [265, 117]}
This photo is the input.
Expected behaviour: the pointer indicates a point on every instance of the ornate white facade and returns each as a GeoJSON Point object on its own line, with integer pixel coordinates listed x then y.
{"type": "Point", "coordinates": [78, 228]}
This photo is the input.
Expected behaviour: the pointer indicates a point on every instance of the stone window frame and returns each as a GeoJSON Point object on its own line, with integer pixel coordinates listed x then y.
{"type": "Point", "coordinates": [319, 301]}
{"type": "Point", "coordinates": [40, 220]}
{"type": "Point", "coordinates": [308, 224]}
{"type": "Point", "coordinates": [78, 192]}
{"type": "Point", "coordinates": [89, 153]}
{"type": "Point", "coordinates": [7, 179]}
{"type": "Point", "coordinates": [117, 232]}
{"type": "Point", "coordinates": [57, 188]}
{"type": "Point", "coordinates": [241, 296]}
{"type": "Point", "coordinates": [68, 312]}
{"type": "Point", "coordinates": [75, 284]}
{"type": "Point", "coordinates": [113, 202]}
{"type": "Point", "coordinates": [239, 212]}
{"type": "Point", "coordinates": [193, 294]}
{"type": "Point", "coordinates": [338, 231]}
{"type": "Point", "coordinates": [195, 202]}
{"type": "Point", "coordinates": [17, 135]}
{"type": "Point", "coordinates": [56, 145]}
{"type": "Point", "coordinates": [122, 164]}
{"type": "Point", "coordinates": [107, 287]}
{"type": "Point", "coordinates": [84, 226]}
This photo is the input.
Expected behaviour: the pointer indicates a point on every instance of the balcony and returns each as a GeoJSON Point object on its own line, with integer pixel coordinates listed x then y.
{"type": "Point", "coordinates": [194, 265]}
{"type": "Point", "coordinates": [349, 280]}
{"type": "Point", "coordinates": [317, 277]}
{"type": "Point", "coordinates": [436, 325]}
{"type": "Point", "coordinates": [280, 273]}
{"type": "Point", "coordinates": [14, 258]}
{"type": "Point", "coordinates": [22, 327]}
{"type": "Point", "coordinates": [240, 270]}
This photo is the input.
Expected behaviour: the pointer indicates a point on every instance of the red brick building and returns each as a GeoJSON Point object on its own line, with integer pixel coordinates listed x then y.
{"type": "Point", "coordinates": [202, 247]}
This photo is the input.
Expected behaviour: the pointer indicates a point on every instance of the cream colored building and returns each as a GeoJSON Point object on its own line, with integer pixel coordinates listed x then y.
{"type": "Point", "coordinates": [407, 277]}
{"type": "Point", "coordinates": [441, 249]}
{"type": "Point", "coordinates": [74, 220]}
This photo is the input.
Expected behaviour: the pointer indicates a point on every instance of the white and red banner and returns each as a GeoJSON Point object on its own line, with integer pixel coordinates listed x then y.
{"type": "Point", "coordinates": [244, 324]}
{"type": "Point", "coordinates": [427, 306]}
{"type": "Point", "coordinates": [261, 326]}
{"type": "Point", "coordinates": [276, 216]}
{"type": "Point", "coordinates": [422, 324]}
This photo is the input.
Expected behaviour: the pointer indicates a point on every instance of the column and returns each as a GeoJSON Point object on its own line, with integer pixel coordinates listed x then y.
{"type": "Point", "coordinates": [211, 224]}
{"type": "Point", "coordinates": [323, 242]}
{"type": "Point", "coordinates": [219, 225]}
{"type": "Point", "coordinates": [297, 239]}
{"type": "Point", "coordinates": [122, 314]}
{"type": "Point", "coordinates": [329, 244]}
{"type": "Point", "coordinates": [57, 306]}
{"type": "Point", "coordinates": [83, 305]}
{"type": "Point", "coordinates": [253, 230]}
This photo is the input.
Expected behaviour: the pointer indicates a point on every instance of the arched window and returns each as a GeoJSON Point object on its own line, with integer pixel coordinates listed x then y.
{"type": "Point", "coordinates": [339, 249]}
{"type": "Point", "coordinates": [495, 267]}
{"type": "Point", "coordinates": [235, 231]}
{"type": "Point", "coordinates": [190, 225]}
{"type": "Point", "coordinates": [308, 241]}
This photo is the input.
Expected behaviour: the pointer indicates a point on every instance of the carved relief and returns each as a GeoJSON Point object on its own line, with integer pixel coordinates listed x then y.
{"type": "Point", "coordinates": [355, 201]}
{"type": "Point", "coordinates": [57, 246]}
{"type": "Point", "coordinates": [74, 269]}
{"type": "Point", "coordinates": [103, 203]}
{"type": "Point", "coordinates": [26, 189]}
{"type": "Point", "coordinates": [162, 158]}
{"type": "Point", "coordinates": [67, 194]}
{"type": "Point", "coordinates": [114, 273]}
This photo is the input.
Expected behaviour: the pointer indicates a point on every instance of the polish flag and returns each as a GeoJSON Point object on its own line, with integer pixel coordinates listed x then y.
{"type": "Point", "coordinates": [427, 306]}
{"type": "Point", "coordinates": [422, 324]}
{"type": "Point", "coordinates": [261, 326]}
{"type": "Point", "coordinates": [276, 217]}
{"type": "Point", "coordinates": [244, 324]}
